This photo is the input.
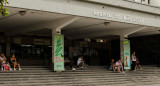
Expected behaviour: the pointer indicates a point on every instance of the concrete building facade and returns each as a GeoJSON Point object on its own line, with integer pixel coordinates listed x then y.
{"type": "Point", "coordinates": [79, 19]}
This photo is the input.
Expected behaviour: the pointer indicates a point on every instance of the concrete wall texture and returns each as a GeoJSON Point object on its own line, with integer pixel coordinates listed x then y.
{"type": "Point", "coordinates": [87, 8]}
{"type": "Point", "coordinates": [155, 2]}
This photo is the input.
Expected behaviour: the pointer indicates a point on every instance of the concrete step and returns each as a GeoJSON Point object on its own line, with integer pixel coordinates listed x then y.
{"type": "Point", "coordinates": [91, 76]}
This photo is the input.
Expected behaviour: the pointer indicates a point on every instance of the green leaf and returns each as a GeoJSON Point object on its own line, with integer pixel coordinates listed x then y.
{"type": "Point", "coordinates": [3, 10]}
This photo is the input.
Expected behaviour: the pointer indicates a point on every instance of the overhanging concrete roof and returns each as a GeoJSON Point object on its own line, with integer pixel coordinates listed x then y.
{"type": "Point", "coordinates": [40, 23]}
{"type": "Point", "coordinates": [148, 15]}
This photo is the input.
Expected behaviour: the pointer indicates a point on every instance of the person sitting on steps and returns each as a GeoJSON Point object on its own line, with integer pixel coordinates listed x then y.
{"type": "Point", "coordinates": [3, 61]}
{"type": "Point", "coordinates": [112, 65]}
{"type": "Point", "coordinates": [138, 66]}
{"type": "Point", "coordinates": [15, 63]}
{"type": "Point", "coordinates": [81, 63]}
{"type": "Point", "coordinates": [119, 66]}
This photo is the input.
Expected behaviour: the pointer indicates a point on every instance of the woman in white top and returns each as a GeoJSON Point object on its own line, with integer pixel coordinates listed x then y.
{"type": "Point", "coordinates": [80, 62]}
{"type": "Point", "coordinates": [133, 60]}
{"type": "Point", "coordinates": [3, 61]}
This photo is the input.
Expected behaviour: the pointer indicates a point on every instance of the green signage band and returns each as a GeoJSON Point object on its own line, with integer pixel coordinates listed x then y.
{"type": "Point", "coordinates": [127, 63]}
{"type": "Point", "coordinates": [58, 52]}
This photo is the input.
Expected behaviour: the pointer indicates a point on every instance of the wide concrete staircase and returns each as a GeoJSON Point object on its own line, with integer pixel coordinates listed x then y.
{"type": "Point", "coordinates": [91, 76]}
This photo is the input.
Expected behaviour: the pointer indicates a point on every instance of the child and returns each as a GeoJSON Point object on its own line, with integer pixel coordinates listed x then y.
{"type": "Point", "coordinates": [138, 66]}
{"type": "Point", "coordinates": [112, 65]}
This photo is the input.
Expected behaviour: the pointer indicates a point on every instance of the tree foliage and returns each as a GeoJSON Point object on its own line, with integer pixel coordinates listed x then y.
{"type": "Point", "coordinates": [3, 10]}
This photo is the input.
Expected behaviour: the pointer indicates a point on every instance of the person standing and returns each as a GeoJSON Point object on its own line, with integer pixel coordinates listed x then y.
{"type": "Point", "coordinates": [134, 60]}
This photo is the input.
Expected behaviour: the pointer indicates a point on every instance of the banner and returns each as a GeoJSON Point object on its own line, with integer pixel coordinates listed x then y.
{"type": "Point", "coordinates": [127, 63]}
{"type": "Point", "coordinates": [58, 53]}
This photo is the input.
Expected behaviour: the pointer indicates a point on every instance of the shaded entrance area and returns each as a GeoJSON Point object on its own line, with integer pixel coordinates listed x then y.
{"type": "Point", "coordinates": [147, 49]}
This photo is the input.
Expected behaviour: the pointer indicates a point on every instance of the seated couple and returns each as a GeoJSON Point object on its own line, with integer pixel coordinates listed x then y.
{"type": "Point", "coordinates": [70, 62]}
{"type": "Point", "coordinates": [81, 63]}
{"type": "Point", "coordinates": [13, 61]}
{"type": "Point", "coordinates": [116, 66]}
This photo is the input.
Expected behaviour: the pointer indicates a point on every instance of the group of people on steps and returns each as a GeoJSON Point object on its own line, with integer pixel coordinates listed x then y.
{"type": "Point", "coordinates": [117, 66]}
{"type": "Point", "coordinates": [6, 64]}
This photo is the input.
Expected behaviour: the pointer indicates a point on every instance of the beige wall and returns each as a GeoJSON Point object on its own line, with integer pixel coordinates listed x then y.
{"type": "Point", "coordinates": [87, 8]}
{"type": "Point", "coordinates": [155, 2]}
{"type": "Point", "coordinates": [141, 1]}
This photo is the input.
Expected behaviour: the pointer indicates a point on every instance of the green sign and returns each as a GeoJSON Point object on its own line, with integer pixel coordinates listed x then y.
{"type": "Point", "coordinates": [58, 53]}
{"type": "Point", "coordinates": [127, 63]}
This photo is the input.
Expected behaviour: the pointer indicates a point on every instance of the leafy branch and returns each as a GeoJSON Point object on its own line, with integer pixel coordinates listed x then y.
{"type": "Point", "coordinates": [3, 10]}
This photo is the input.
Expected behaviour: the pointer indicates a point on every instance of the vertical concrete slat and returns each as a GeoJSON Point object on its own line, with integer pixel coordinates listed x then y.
{"type": "Point", "coordinates": [7, 46]}
{"type": "Point", "coordinates": [122, 49]}
{"type": "Point", "coordinates": [70, 48]}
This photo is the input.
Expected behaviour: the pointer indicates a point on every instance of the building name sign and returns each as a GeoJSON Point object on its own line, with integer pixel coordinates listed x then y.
{"type": "Point", "coordinates": [119, 17]}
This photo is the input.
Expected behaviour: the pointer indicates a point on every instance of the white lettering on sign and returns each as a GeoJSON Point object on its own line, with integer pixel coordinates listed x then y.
{"type": "Point", "coordinates": [118, 17]}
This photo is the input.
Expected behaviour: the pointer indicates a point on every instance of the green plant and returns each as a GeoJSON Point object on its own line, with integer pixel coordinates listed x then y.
{"type": "Point", "coordinates": [3, 10]}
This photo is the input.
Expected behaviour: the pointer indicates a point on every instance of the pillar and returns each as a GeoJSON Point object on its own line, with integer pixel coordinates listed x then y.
{"type": "Point", "coordinates": [122, 48]}
{"type": "Point", "coordinates": [70, 49]}
{"type": "Point", "coordinates": [125, 52]}
{"type": "Point", "coordinates": [54, 31]}
{"type": "Point", "coordinates": [7, 46]}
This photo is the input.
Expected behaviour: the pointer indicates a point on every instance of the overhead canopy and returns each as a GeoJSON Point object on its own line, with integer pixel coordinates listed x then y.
{"type": "Point", "coordinates": [35, 23]}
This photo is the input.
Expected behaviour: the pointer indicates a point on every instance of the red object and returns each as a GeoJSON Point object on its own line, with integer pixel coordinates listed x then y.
{"type": "Point", "coordinates": [6, 67]}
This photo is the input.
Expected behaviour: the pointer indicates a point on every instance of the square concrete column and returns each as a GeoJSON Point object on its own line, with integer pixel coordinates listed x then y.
{"type": "Point", "coordinates": [54, 31]}
{"type": "Point", "coordinates": [7, 46]}
{"type": "Point", "coordinates": [70, 48]}
{"type": "Point", "coordinates": [125, 52]}
{"type": "Point", "coordinates": [58, 50]}
{"type": "Point", "coordinates": [122, 49]}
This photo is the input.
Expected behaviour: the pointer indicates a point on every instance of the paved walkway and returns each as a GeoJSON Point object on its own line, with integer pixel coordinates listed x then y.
{"type": "Point", "coordinates": [92, 76]}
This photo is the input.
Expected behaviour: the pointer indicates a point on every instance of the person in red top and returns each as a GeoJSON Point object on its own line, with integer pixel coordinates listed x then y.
{"type": "Point", "coordinates": [3, 62]}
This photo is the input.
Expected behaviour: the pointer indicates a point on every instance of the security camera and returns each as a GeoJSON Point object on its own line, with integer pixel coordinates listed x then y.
{"type": "Point", "coordinates": [58, 32]}
{"type": "Point", "coordinates": [106, 23]}
{"type": "Point", "coordinates": [22, 13]}
{"type": "Point", "coordinates": [126, 37]}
